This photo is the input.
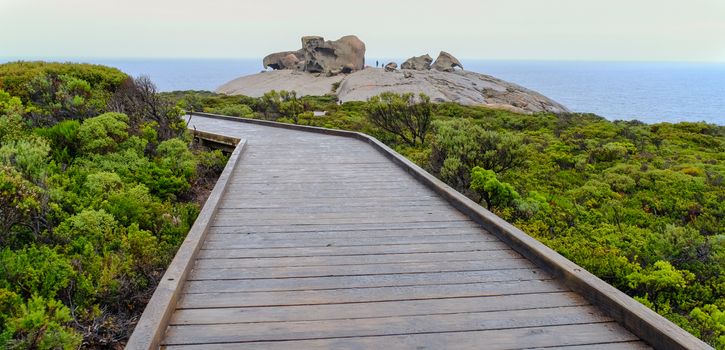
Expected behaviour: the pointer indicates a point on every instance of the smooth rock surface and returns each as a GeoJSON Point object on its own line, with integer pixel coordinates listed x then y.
{"type": "Point", "coordinates": [305, 84]}
{"type": "Point", "coordinates": [417, 63]}
{"type": "Point", "coordinates": [446, 62]}
{"type": "Point", "coordinates": [463, 87]}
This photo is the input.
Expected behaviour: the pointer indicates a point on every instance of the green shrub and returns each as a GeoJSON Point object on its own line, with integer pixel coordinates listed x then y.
{"type": "Point", "coordinates": [103, 133]}
{"type": "Point", "coordinates": [40, 324]}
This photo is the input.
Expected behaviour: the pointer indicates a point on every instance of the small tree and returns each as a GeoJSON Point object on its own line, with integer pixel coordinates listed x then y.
{"type": "Point", "coordinates": [403, 115]}
{"type": "Point", "coordinates": [290, 106]}
{"type": "Point", "coordinates": [138, 99]}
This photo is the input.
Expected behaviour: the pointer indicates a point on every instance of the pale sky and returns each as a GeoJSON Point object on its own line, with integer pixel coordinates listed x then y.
{"type": "Point", "coordinates": [651, 30]}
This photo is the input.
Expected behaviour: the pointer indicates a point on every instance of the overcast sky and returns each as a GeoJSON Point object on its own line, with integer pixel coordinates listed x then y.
{"type": "Point", "coordinates": [669, 30]}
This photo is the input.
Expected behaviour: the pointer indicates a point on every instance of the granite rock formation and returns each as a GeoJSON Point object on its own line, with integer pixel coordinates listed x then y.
{"type": "Point", "coordinates": [345, 55]}
{"type": "Point", "coordinates": [417, 63]}
{"type": "Point", "coordinates": [284, 60]}
{"type": "Point", "coordinates": [446, 62]}
{"type": "Point", "coordinates": [337, 67]}
{"type": "Point", "coordinates": [459, 86]}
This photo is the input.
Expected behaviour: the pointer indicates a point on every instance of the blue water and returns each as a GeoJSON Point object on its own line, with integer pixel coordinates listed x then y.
{"type": "Point", "coordinates": [649, 92]}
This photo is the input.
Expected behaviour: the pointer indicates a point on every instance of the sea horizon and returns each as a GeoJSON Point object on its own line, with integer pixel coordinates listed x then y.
{"type": "Point", "coordinates": [648, 91]}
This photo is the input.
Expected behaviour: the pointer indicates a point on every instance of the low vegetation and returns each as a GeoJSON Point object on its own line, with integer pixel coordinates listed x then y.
{"type": "Point", "coordinates": [641, 206]}
{"type": "Point", "coordinates": [98, 188]}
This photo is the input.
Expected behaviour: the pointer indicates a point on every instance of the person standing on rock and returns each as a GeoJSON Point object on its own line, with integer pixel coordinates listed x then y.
{"type": "Point", "coordinates": [377, 64]}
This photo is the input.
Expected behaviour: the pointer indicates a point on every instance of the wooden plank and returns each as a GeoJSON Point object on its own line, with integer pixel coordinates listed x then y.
{"type": "Point", "coordinates": [277, 216]}
{"type": "Point", "coordinates": [350, 181]}
{"type": "Point", "coordinates": [250, 244]}
{"type": "Point", "coordinates": [292, 227]}
{"type": "Point", "coordinates": [381, 194]}
{"type": "Point", "coordinates": [356, 260]}
{"type": "Point", "coordinates": [368, 281]}
{"type": "Point", "coordinates": [241, 229]}
{"type": "Point", "coordinates": [339, 296]}
{"type": "Point", "coordinates": [376, 309]}
{"type": "Point", "coordinates": [329, 201]}
{"type": "Point", "coordinates": [353, 237]}
{"type": "Point", "coordinates": [380, 326]}
{"type": "Point", "coordinates": [357, 270]}
{"type": "Point", "coordinates": [315, 239]}
{"type": "Point", "coordinates": [399, 207]}
{"type": "Point", "coordinates": [231, 220]}
{"type": "Point", "coordinates": [255, 241]}
{"type": "Point", "coordinates": [327, 186]}
{"type": "Point", "coordinates": [336, 211]}
{"type": "Point", "coordinates": [348, 251]}
{"type": "Point", "coordinates": [626, 345]}
{"type": "Point", "coordinates": [552, 336]}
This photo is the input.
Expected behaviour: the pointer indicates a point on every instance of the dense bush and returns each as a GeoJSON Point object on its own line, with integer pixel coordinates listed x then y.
{"type": "Point", "coordinates": [641, 206]}
{"type": "Point", "coordinates": [93, 202]}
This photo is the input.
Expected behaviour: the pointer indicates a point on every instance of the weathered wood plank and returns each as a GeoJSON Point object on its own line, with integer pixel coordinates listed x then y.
{"type": "Point", "coordinates": [626, 345]}
{"type": "Point", "coordinates": [353, 250]}
{"type": "Point", "coordinates": [518, 338]}
{"type": "Point", "coordinates": [303, 240]}
{"type": "Point", "coordinates": [241, 229]}
{"type": "Point", "coordinates": [302, 213]}
{"type": "Point", "coordinates": [400, 204]}
{"type": "Point", "coordinates": [351, 237]}
{"type": "Point", "coordinates": [376, 309]}
{"type": "Point", "coordinates": [338, 296]}
{"type": "Point", "coordinates": [358, 270]}
{"type": "Point", "coordinates": [248, 243]}
{"type": "Point", "coordinates": [380, 326]}
{"type": "Point", "coordinates": [356, 260]}
{"type": "Point", "coordinates": [231, 220]}
{"type": "Point", "coordinates": [363, 281]}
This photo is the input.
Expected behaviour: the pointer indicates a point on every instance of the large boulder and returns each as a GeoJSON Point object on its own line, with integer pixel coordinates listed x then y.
{"type": "Point", "coordinates": [284, 60]}
{"type": "Point", "coordinates": [391, 67]}
{"type": "Point", "coordinates": [344, 55]}
{"type": "Point", "coordinates": [417, 63]}
{"type": "Point", "coordinates": [446, 62]}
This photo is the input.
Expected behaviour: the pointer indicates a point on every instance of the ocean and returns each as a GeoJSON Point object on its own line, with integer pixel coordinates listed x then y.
{"type": "Point", "coordinates": [651, 92]}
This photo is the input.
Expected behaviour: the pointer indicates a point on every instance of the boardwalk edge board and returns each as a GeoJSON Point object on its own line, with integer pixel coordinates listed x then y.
{"type": "Point", "coordinates": [637, 318]}
{"type": "Point", "coordinates": [152, 324]}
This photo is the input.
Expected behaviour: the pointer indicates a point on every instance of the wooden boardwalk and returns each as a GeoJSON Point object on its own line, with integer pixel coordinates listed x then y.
{"type": "Point", "coordinates": [321, 242]}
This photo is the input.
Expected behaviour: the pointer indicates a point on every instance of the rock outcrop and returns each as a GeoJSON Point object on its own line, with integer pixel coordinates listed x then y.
{"type": "Point", "coordinates": [323, 67]}
{"type": "Point", "coordinates": [345, 55]}
{"type": "Point", "coordinates": [463, 87]}
{"type": "Point", "coordinates": [391, 67]}
{"type": "Point", "coordinates": [417, 63]}
{"type": "Point", "coordinates": [305, 84]}
{"type": "Point", "coordinates": [446, 62]}
{"type": "Point", "coordinates": [284, 60]}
